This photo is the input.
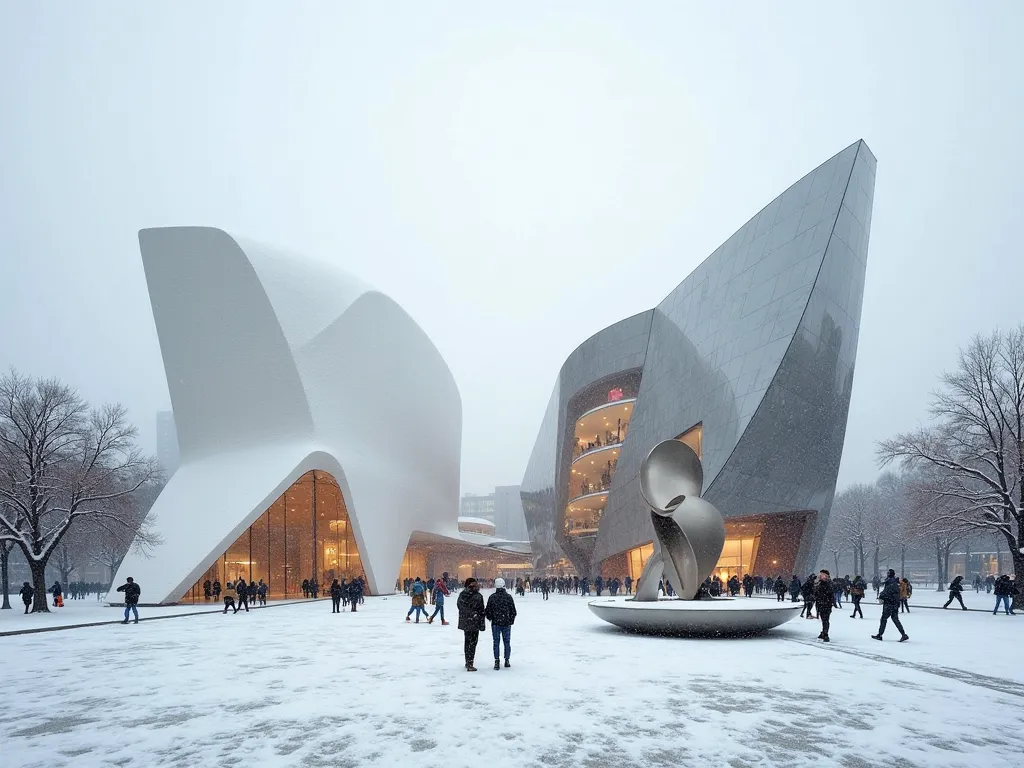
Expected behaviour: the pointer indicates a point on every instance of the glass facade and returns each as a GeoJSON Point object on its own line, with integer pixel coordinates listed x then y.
{"type": "Point", "coordinates": [304, 534]}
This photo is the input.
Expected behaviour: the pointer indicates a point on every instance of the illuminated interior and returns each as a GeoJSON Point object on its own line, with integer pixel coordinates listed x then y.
{"type": "Point", "coordinates": [694, 437]}
{"type": "Point", "coordinates": [305, 533]}
{"type": "Point", "coordinates": [739, 554]}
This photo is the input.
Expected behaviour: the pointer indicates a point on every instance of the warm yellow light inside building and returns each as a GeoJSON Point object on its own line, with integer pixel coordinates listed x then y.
{"type": "Point", "coordinates": [694, 438]}
{"type": "Point", "coordinates": [738, 554]}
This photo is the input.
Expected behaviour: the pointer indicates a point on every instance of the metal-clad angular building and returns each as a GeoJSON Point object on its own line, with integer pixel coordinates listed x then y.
{"type": "Point", "coordinates": [749, 360]}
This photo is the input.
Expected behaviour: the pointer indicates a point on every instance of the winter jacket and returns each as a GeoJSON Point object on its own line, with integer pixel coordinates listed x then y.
{"type": "Point", "coordinates": [336, 590]}
{"type": "Point", "coordinates": [241, 588]}
{"type": "Point", "coordinates": [471, 610]}
{"type": "Point", "coordinates": [1004, 586]}
{"type": "Point", "coordinates": [955, 587]}
{"type": "Point", "coordinates": [131, 593]}
{"type": "Point", "coordinates": [859, 587]}
{"type": "Point", "coordinates": [905, 590]}
{"type": "Point", "coordinates": [890, 594]}
{"type": "Point", "coordinates": [55, 589]}
{"type": "Point", "coordinates": [824, 596]}
{"type": "Point", "coordinates": [501, 609]}
{"type": "Point", "coordinates": [807, 590]}
{"type": "Point", "coordinates": [440, 592]}
{"type": "Point", "coordinates": [780, 587]}
{"type": "Point", "coordinates": [355, 589]}
{"type": "Point", "coordinates": [26, 594]}
{"type": "Point", "coordinates": [794, 587]}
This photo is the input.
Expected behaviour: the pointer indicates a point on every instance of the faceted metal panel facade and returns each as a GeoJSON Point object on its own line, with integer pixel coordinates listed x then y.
{"type": "Point", "coordinates": [758, 346]}
{"type": "Point", "coordinates": [620, 347]}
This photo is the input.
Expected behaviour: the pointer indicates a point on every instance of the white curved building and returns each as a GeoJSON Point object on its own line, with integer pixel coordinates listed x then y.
{"type": "Point", "coordinates": [297, 392]}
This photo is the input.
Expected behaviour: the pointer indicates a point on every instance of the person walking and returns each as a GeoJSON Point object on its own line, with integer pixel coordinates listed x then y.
{"type": "Point", "coordinates": [956, 589]}
{"type": "Point", "coordinates": [501, 612]}
{"type": "Point", "coordinates": [857, 589]}
{"type": "Point", "coordinates": [132, 592]}
{"type": "Point", "coordinates": [890, 597]}
{"type": "Point", "coordinates": [419, 600]}
{"type": "Point", "coordinates": [242, 591]}
{"type": "Point", "coordinates": [876, 583]}
{"type": "Point", "coordinates": [207, 589]}
{"type": "Point", "coordinates": [824, 597]}
{"type": "Point", "coordinates": [26, 593]}
{"type": "Point", "coordinates": [906, 590]}
{"type": "Point", "coordinates": [471, 619]}
{"type": "Point", "coordinates": [440, 593]}
{"type": "Point", "coordinates": [261, 591]}
{"type": "Point", "coordinates": [216, 589]}
{"type": "Point", "coordinates": [335, 597]}
{"type": "Point", "coordinates": [1005, 591]}
{"type": "Point", "coordinates": [58, 595]}
{"type": "Point", "coordinates": [780, 590]}
{"type": "Point", "coordinates": [748, 585]}
{"type": "Point", "coordinates": [807, 593]}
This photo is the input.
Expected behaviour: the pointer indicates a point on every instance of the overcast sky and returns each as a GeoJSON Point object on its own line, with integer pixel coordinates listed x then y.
{"type": "Point", "coordinates": [516, 176]}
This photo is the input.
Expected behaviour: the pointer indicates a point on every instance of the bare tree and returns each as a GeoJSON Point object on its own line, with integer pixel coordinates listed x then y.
{"type": "Point", "coordinates": [61, 463]}
{"type": "Point", "coordinates": [853, 512]}
{"type": "Point", "coordinates": [897, 507]}
{"type": "Point", "coordinates": [977, 444]}
{"type": "Point", "coordinates": [5, 585]}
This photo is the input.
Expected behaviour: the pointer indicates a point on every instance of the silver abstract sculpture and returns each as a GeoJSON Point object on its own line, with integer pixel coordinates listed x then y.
{"type": "Point", "coordinates": [689, 532]}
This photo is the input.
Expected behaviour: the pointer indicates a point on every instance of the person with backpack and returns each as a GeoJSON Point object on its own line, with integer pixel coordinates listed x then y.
{"type": "Point", "coordinates": [419, 600]}
{"type": "Point", "coordinates": [906, 590]}
{"type": "Point", "coordinates": [1005, 592]}
{"type": "Point", "coordinates": [890, 597]}
{"type": "Point", "coordinates": [857, 589]}
{"type": "Point", "coordinates": [26, 593]}
{"type": "Point", "coordinates": [472, 619]}
{"type": "Point", "coordinates": [439, 593]}
{"type": "Point", "coordinates": [132, 592]}
{"type": "Point", "coordinates": [956, 589]}
{"type": "Point", "coordinates": [501, 612]}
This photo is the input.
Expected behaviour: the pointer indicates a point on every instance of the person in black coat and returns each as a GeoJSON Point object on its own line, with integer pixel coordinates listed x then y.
{"type": "Point", "coordinates": [335, 597]}
{"type": "Point", "coordinates": [26, 595]}
{"type": "Point", "coordinates": [956, 589]}
{"type": "Point", "coordinates": [242, 590]}
{"type": "Point", "coordinates": [355, 592]}
{"type": "Point", "coordinates": [56, 591]}
{"type": "Point", "coordinates": [824, 597]}
{"type": "Point", "coordinates": [890, 597]}
{"type": "Point", "coordinates": [471, 619]}
{"type": "Point", "coordinates": [501, 612]}
{"type": "Point", "coordinates": [132, 592]}
{"type": "Point", "coordinates": [807, 593]}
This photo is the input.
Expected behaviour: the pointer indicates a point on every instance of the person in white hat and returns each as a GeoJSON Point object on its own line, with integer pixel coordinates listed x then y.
{"type": "Point", "coordinates": [501, 612]}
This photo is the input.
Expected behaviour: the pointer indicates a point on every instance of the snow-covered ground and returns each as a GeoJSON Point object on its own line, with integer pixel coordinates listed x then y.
{"type": "Point", "coordinates": [300, 686]}
{"type": "Point", "coordinates": [90, 611]}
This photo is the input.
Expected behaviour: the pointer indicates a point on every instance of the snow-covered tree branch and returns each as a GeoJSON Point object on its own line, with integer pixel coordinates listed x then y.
{"type": "Point", "coordinates": [64, 465]}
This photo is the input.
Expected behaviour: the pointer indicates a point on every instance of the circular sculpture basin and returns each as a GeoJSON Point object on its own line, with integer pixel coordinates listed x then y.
{"type": "Point", "coordinates": [718, 617]}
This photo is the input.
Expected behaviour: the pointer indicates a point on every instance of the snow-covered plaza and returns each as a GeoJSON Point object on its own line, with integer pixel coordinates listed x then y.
{"type": "Point", "coordinates": [298, 685]}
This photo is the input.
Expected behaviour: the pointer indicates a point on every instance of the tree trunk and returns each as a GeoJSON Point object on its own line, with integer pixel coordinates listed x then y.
{"type": "Point", "coordinates": [39, 601]}
{"type": "Point", "coordinates": [5, 585]}
{"type": "Point", "coordinates": [967, 560]}
{"type": "Point", "coordinates": [876, 558]}
{"type": "Point", "coordinates": [938, 565]}
{"type": "Point", "coordinates": [903, 561]}
{"type": "Point", "coordinates": [836, 556]}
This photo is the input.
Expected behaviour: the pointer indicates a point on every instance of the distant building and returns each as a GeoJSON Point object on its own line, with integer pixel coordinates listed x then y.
{"type": "Point", "coordinates": [503, 509]}
{"type": "Point", "coordinates": [481, 507]}
{"type": "Point", "coordinates": [167, 442]}
{"type": "Point", "coordinates": [509, 520]}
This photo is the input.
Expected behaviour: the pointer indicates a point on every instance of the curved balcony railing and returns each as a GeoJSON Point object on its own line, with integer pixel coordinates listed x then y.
{"type": "Point", "coordinates": [577, 454]}
{"type": "Point", "coordinates": [603, 406]}
{"type": "Point", "coordinates": [590, 494]}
